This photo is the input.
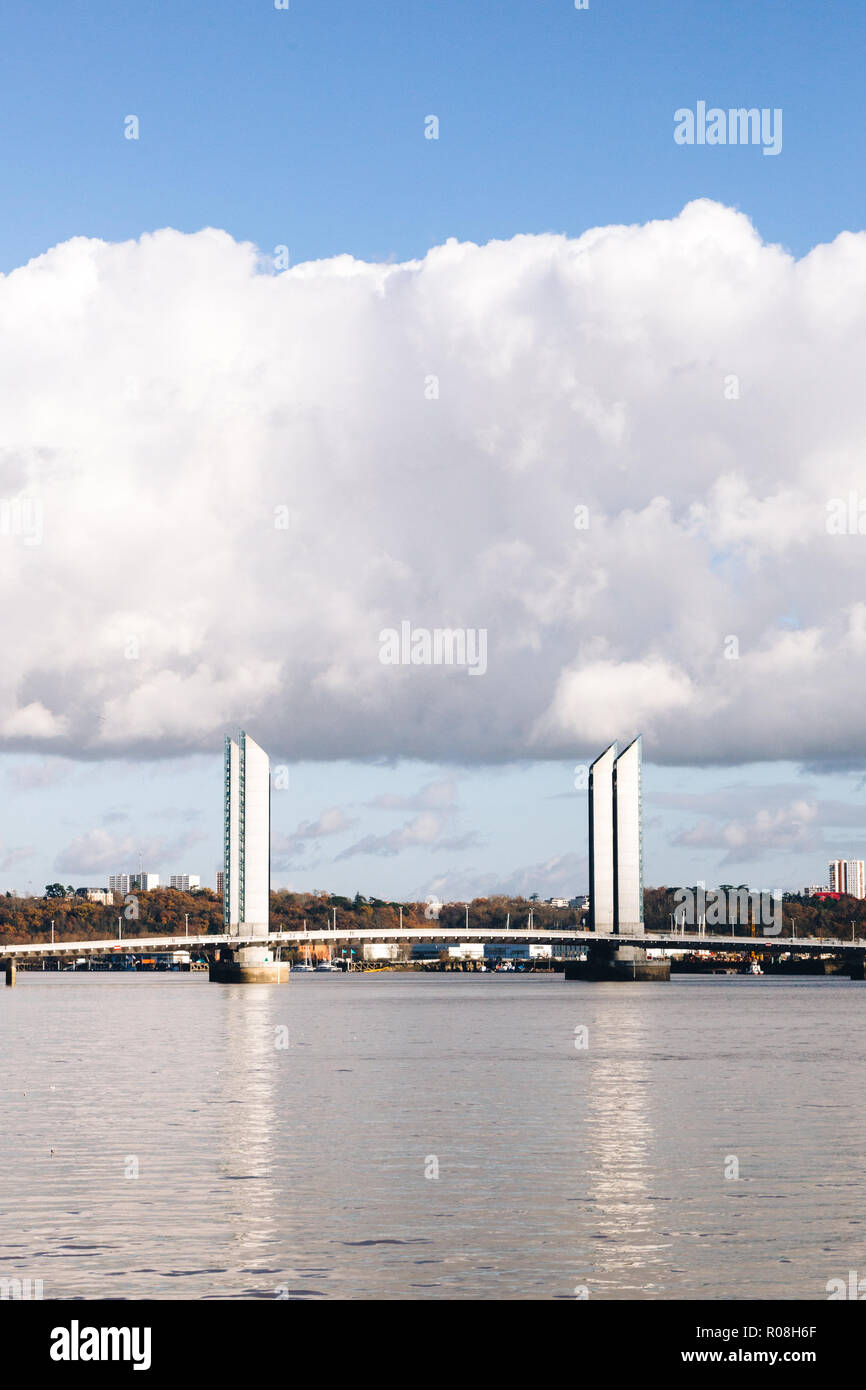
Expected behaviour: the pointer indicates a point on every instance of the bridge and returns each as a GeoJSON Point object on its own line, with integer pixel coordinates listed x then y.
{"type": "Point", "coordinates": [677, 940]}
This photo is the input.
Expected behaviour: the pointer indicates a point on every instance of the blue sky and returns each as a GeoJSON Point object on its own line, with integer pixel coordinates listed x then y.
{"type": "Point", "coordinates": [305, 128]}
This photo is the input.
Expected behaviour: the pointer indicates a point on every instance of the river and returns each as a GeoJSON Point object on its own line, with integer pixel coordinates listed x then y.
{"type": "Point", "coordinates": [430, 1136]}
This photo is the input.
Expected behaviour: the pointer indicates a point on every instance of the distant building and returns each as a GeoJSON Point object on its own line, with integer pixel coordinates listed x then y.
{"type": "Point", "coordinates": [384, 950]}
{"type": "Point", "coordinates": [814, 889]}
{"type": "Point", "coordinates": [96, 895]}
{"type": "Point", "coordinates": [184, 882]}
{"type": "Point", "coordinates": [846, 876]}
{"type": "Point", "coordinates": [556, 902]}
{"type": "Point", "coordinates": [582, 900]}
{"type": "Point", "coordinates": [132, 883]}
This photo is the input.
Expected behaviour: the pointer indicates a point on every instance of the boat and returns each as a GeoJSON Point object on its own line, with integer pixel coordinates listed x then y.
{"type": "Point", "coordinates": [325, 964]}
{"type": "Point", "coordinates": [753, 968]}
{"type": "Point", "coordinates": [305, 966]}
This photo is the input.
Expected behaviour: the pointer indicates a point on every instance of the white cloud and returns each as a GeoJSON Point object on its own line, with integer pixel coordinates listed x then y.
{"type": "Point", "coordinates": [163, 398]}
{"type": "Point", "coordinates": [99, 850]}
{"type": "Point", "coordinates": [563, 875]}
{"type": "Point", "coordinates": [332, 821]}
{"type": "Point", "coordinates": [424, 831]}
{"type": "Point", "coordinates": [440, 795]}
{"type": "Point", "coordinates": [794, 828]}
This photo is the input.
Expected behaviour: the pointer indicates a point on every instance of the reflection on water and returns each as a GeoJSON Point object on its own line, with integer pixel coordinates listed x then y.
{"type": "Point", "coordinates": [620, 1143]}
{"type": "Point", "coordinates": [430, 1137]}
{"type": "Point", "coordinates": [246, 1136]}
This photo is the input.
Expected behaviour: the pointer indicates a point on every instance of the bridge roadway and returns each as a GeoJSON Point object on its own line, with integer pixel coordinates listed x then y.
{"type": "Point", "coordinates": [137, 945]}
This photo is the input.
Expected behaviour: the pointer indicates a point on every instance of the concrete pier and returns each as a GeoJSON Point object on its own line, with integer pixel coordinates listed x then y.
{"type": "Point", "coordinates": [249, 965]}
{"type": "Point", "coordinates": [9, 971]}
{"type": "Point", "coordinates": [608, 962]}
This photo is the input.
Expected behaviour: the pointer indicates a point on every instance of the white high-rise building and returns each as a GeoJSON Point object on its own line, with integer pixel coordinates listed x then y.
{"type": "Point", "coordinates": [846, 876]}
{"type": "Point", "coordinates": [132, 883]}
{"type": "Point", "coordinates": [616, 841]}
{"type": "Point", "coordinates": [183, 882]}
{"type": "Point", "coordinates": [601, 857]}
{"type": "Point", "coordinates": [247, 864]}
{"type": "Point", "coordinates": [628, 839]}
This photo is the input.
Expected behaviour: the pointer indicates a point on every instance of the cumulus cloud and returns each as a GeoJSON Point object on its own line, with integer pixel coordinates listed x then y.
{"type": "Point", "coordinates": [98, 850]}
{"type": "Point", "coordinates": [286, 848]}
{"type": "Point", "coordinates": [561, 876]}
{"type": "Point", "coordinates": [440, 795]}
{"type": "Point", "coordinates": [792, 828]}
{"type": "Point", "coordinates": [425, 831]}
{"type": "Point", "coordinates": [242, 478]}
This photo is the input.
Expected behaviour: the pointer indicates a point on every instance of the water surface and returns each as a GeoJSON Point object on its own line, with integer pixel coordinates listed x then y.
{"type": "Point", "coordinates": [307, 1170]}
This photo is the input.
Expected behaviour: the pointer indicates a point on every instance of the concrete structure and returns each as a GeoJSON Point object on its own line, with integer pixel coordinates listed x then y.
{"type": "Point", "coordinates": [184, 882]}
{"type": "Point", "coordinates": [143, 882]}
{"type": "Point", "coordinates": [220, 879]}
{"type": "Point", "coordinates": [616, 871]}
{"type": "Point", "coordinates": [132, 883]}
{"type": "Point", "coordinates": [846, 876]}
{"type": "Point", "coordinates": [628, 841]}
{"type": "Point", "coordinates": [247, 866]}
{"type": "Point", "coordinates": [601, 850]}
{"type": "Point", "coordinates": [381, 950]}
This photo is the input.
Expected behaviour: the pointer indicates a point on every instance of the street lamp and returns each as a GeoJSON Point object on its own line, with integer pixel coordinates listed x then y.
{"type": "Point", "coordinates": [52, 931]}
{"type": "Point", "coordinates": [186, 923]}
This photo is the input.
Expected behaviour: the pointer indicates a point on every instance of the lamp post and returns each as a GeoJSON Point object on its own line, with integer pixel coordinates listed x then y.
{"type": "Point", "coordinates": [52, 931]}
{"type": "Point", "coordinates": [120, 928]}
{"type": "Point", "coordinates": [186, 923]}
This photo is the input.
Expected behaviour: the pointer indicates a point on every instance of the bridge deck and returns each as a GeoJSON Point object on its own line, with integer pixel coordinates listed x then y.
{"type": "Point", "coordinates": [134, 945]}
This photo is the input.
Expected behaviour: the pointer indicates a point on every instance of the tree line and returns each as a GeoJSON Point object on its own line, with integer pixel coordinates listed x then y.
{"type": "Point", "coordinates": [162, 912]}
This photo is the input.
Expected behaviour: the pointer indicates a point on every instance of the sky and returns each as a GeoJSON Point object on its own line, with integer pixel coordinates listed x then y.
{"type": "Point", "coordinates": [280, 373]}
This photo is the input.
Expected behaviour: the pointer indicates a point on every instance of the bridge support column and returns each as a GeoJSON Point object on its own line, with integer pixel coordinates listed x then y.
{"type": "Point", "coordinates": [606, 961]}
{"type": "Point", "coordinates": [856, 964]}
{"type": "Point", "coordinates": [10, 971]}
{"type": "Point", "coordinates": [248, 965]}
